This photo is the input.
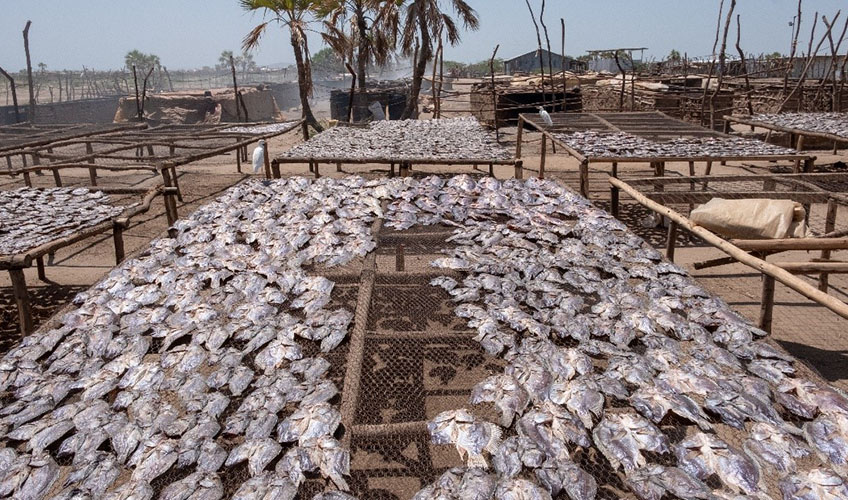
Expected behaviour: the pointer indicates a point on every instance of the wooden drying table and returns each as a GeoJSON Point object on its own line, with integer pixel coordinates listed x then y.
{"type": "Point", "coordinates": [647, 125]}
{"type": "Point", "coordinates": [16, 264]}
{"type": "Point", "coordinates": [796, 135]}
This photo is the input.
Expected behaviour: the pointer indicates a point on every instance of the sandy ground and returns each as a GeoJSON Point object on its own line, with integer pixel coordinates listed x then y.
{"type": "Point", "coordinates": [810, 332]}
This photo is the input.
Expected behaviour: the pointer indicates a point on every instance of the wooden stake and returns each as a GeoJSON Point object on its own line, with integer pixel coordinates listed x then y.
{"type": "Point", "coordinates": [266, 157]}
{"type": "Point", "coordinates": [584, 179]}
{"type": "Point", "coordinates": [767, 304]}
{"type": "Point", "coordinates": [671, 241]}
{"type": "Point", "coordinates": [176, 180]}
{"type": "Point", "coordinates": [39, 262]}
{"type": "Point", "coordinates": [544, 156]}
{"type": "Point", "coordinates": [519, 169]}
{"type": "Point", "coordinates": [32, 102]}
{"type": "Point", "coordinates": [19, 290]}
{"type": "Point", "coordinates": [829, 226]}
{"type": "Point", "coordinates": [518, 137]}
{"type": "Point", "coordinates": [118, 237]}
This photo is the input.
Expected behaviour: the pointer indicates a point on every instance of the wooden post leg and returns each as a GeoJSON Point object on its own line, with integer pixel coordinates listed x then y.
{"type": "Point", "coordinates": [176, 183]}
{"type": "Point", "coordinates": [92, 175]}
{"type": "Point", "coordinates": [404, 169]}
{"type": "Point", "coordinates": [519, 169]}
{"type": "Point", "coordinates": [691, 183]}
{"type": "Point", "coordinates": [614, 191]}
{"type": "Point", "coordinates": [275, 170]}
{"type": "Point", "coordinates": [118, 237]}
{"type": "Point", "coordinates": [338, 166]}
{"type": "Point", "coordinates": [767, 304]}
{"type": "Point", "coordinates": [27, 179]}
{"type": "Point", "coordinates": [170, 203]}
{"type": "Point", "coordinates": [707, 171]}
{"type": "Point", "coordinates": [238, 158]}
{"type": "Point", "coordinates": [835, 147]}
{"type": "Point", "coordinates": [315, 169]}
{"type": "Point", "coordinates": [19, 290]}
{"type": "Point", "coordinates": [39, 262]}
{"type": "Point", "coordinates": [392, 170]}
{"type": "Point", "coordinates": [800, 144]}
{"type": "Point", "coordinates": [311, 168]}
{"type": "Point", "coordinates": [491, 170]}
{"type": "Point", "coordinates": [518, 138]}
{"type": "Point", "coordinates": [672, 240]}
{"type": "Point", "coordinates": [584, 179]}
{"type": "Point", "coordinates": [544, 156]}
{"type": "Point", "coordinates": [56, 178]}
{"type": "Point", "coordinates": [267, 159]}
{"type": "Point", "coordinates": [829, 226]}
{"type": "Point", "coordinates": [400, 264]}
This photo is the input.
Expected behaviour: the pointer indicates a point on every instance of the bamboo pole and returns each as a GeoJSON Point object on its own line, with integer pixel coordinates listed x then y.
{"type": "Point", "coordinates": [764, 267]}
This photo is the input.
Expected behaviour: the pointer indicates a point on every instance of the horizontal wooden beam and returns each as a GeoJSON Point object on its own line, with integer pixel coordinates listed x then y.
{"type": "Point", "coordinates": [782, 245]}
{"type": "Point", "coordinates": [672, 197]}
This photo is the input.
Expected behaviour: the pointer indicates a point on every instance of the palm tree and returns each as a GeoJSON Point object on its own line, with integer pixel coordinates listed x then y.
{"type": "Point", "coordinates": [424, 20]}
{"type": "Point", "coordinates": [361, 31]}
{"type": "Point", "coordinates": [294, 14]}
{"type": "Point", "coordinates": [224, 59]}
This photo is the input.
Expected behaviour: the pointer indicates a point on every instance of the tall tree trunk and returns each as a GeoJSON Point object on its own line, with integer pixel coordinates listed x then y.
{"type": "Point", "coordinates": [362, 51]}
{"type": "Point", "coordinates": [411, 110]}
{"type": "Point", "coordinates": [303, 84]}
{"type": "Point", "coordinates": [722, 61]}
{"type": "Point", "coordinates": [29, 74]}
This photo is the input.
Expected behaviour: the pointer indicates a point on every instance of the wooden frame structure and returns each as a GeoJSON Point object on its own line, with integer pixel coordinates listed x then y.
{"type": "Point", "coordinates": [404, 161]}
{"type": "Point", "coordinates": [803, 188]}
{"type": "Point", "coordinates": [15, 264]}
{"type": "Point", "coordinates": [654, 126]}
{"type": "Point", "coordinates": [796, 135]}
{"type": "Point", "coordinates": [23, 135]}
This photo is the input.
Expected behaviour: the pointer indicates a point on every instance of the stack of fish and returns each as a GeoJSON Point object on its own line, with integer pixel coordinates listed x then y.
{"type": "Point", "coordinates": [405, 140]}
{"type": "Point", "coordinates": [270, 128]}
{"type": "Point", "coordinates": [623, 145]}
{"type": "Point", "coordinates": [827, 123]}
{"type": "Point", "coordinates": [188, 362]}
{"type": "Point", "coordinates": [32, 217]}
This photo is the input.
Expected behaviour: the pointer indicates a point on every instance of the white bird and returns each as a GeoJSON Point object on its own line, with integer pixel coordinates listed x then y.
{"type": "Point", "coordinates": [546, 117]}
{"type": "Point", "coordinates": [259, 156]}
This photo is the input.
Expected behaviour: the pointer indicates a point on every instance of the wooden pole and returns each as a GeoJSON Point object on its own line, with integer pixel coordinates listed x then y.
{"type": "Point", "coordinates": [829, 226]}
{"type": "Point", "coordinates": [39, 262]}
{"type": "Point", "coordinates": [137, 98]}
{"type": "Point", "coordinates": [584, 179]}
{"type": "Point", "coordinates": [118, 237]}
{"type": "Point", "coordinates": [267, 159]}
{"type": "Point", "coordinates": [671, 241]}
{"type": "Point", "coordinates": [543, 156]}
{"type": "Point", "coordinates": [14, 94]}
{"type": "Point", "coordinates": [29, 74]}
{"type": "Point", "coordinates": [495, 94]}
{"type": "Point", "coordinates": [19, 290]}
{"type": "Point", "coordinates": [764, 267]}
{"type": "Point", "coordinates": [519, 169]}
{"type": "Point", "coordinates": [767, 304]}
{"type": "Point", "coordinates": [519, 137]}
{"type": "Point", "coordinates": [235, 89]}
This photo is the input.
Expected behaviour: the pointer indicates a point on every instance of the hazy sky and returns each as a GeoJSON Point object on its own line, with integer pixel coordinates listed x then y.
{"type": "Point", "coordinates": [192, 33]}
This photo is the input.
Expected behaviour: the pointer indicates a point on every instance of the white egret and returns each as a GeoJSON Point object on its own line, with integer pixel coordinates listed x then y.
{"type": "Point", "coordinates": [546, 117]}
{"type": "Point", "coordinates": [259, 157]}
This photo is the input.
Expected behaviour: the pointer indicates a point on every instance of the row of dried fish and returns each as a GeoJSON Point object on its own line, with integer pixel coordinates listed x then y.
{"type": "Point", "coordinates": [35, 216]}
{"type": "Point", "coordinates": [270, 128]}
{"type": "Point", "coordinates": [623, 145]}
{"type": "Point", "coordinates": [828, 123]}
{"type": "Point", "coordinates": [437, 140]}
{"type": "Point", "coordinates": [649, 352]}
{"type": "Point", "coordinates": [191, 359]}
